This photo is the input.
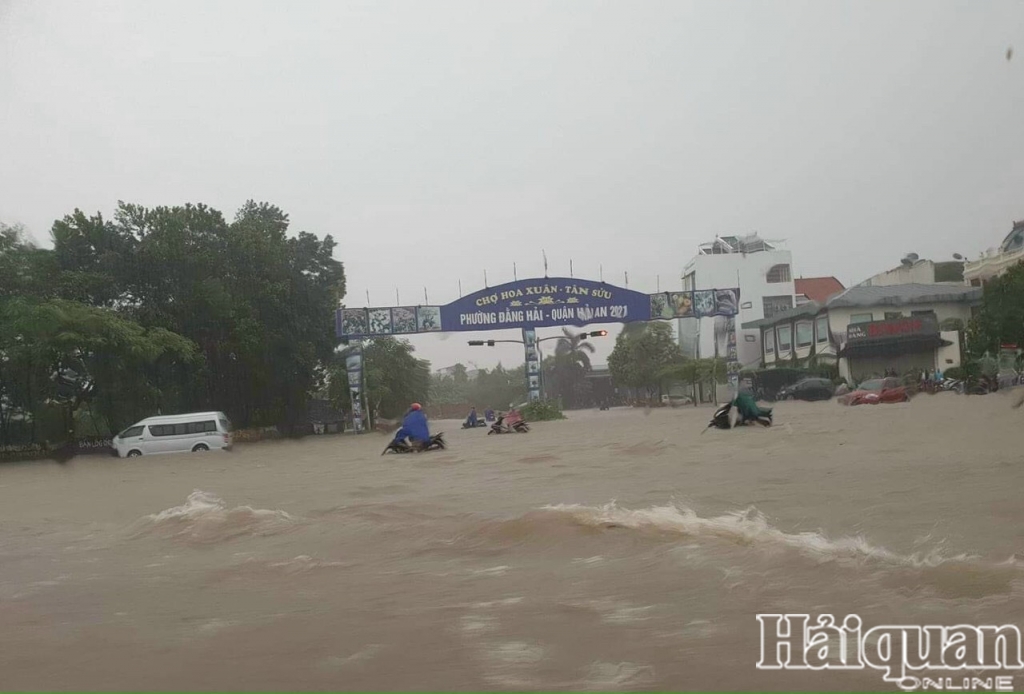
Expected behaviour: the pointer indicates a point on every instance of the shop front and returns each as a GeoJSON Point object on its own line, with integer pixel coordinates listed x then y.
{"type": "Point", "coordinates": [904, 345]}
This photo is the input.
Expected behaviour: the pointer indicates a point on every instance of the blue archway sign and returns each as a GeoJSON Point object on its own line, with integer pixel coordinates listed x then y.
{"type": "Point", "coordinates": [536, 303]}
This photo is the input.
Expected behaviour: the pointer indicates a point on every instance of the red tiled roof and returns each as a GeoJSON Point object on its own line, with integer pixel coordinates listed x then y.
{"type": "Point", "coordinates": [818, 288]}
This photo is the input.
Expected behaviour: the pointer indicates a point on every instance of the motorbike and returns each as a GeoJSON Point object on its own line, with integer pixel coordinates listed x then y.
{"type": "Point", "coordinates": [436, 443]}
{"type": "Point", "coordinates": [721, 419]}
{"type": "Point", "coordinates": [512, 423]}
{"type": "Point", "coordinates": [479, 423]}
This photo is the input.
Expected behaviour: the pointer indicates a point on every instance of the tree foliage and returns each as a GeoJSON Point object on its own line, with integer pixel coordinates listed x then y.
{"type": "Point", "coordinates": [1001, 317]}
{"type": "Point", "coordinates": [172, 308]}
{"type": "Point", "coordinates": [565, 373]}
{"type": "Point", "coordinates": [394, 378]}
{"type": "Point", "coordinates": [642, 355]}
{"type": "Point", "coordinates": [495, 388]}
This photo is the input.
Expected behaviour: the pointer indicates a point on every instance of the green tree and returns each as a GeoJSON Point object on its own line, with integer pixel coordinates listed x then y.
{"type": "Point", "coordinates": [258, 303]}
{"type": "Point", "coordinates": [1000, 319]}
{"type": "Point", "coordinates": [498, 388]}
{"type": "Point", "coordinates": [63, 355]}
{"type": "Point", "coordinates": [641, 356]}
{"type": "Point", "coordinates": [393, 377]}
{"type": "Point", "coordinates": [569, 367]}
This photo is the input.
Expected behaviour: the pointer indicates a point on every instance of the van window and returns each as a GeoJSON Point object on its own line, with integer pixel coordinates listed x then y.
{"type": "Point", "coordinates": [202, 427]}
{"type": "Point", "coordinates": [160, 430]}
{"type": "Point", "coordinates": [131, 432]}
{"type": "Point", "coordinates": [180, 429]}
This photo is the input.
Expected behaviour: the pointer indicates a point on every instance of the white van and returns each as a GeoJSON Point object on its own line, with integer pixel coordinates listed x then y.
{"type": "Point", "coordinates": [178, 433]}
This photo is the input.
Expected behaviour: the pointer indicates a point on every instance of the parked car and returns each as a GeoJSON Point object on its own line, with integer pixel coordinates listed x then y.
{"type": "Point", "coordinates": [876, 390]}
{"type": "Point", "coordinates": [808, 389]}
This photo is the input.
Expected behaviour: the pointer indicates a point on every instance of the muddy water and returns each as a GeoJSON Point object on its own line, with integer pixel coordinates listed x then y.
{"type": "Point", "coordinates": [615, 551]}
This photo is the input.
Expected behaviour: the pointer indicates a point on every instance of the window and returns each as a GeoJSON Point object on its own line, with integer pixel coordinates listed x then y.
{"type": "Point", "coordinates": [225, 424]}
{"type": "Point", "coordinates": [821, 328]}
{"type": "Point", "coordinates": [769, 341]}
{"type": "Point", "coordinates": [975, 282]}
{"type": "Point", "coordinates": [131, 432]}
{"type": "Point", "coordinates": [893, 315]}
{"type": "Point", "coordinates": [688, 282]}
{"type": "Point", "coordinates": [747, 304]}
{"type": "Point", "coordinates": [749, 338]}
{"type": "Point", "coordinates": [924, 314]}
{"type": "Point", "coordinates": [804, 334]}
{"type": "Point", "coordinates": [778, 273]}
{"type": "Point", "coordinates": [182, 429]}
{"type": "Point", "coordinates": [776, 304]}
{"type": "Point", "coordinates": [785, 338]}
{"type": "Point", "coordinates": [861, 318]}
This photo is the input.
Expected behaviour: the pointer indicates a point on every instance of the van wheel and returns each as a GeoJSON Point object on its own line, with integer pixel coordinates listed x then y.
{"type": "Point", "coordinates": [200, 448]}
{"type": "Point", "coordinates": [134, 454]}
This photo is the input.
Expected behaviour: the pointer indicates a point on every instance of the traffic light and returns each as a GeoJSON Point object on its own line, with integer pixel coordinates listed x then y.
{"type": "Point", "coordinates": [599, 333]}
{"type": "Point", "coordinates": [481, 343]}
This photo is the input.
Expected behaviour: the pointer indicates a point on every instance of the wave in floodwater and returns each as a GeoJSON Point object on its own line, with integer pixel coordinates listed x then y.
{"type": "Point", "coordinates": [206, 519]}
{"type": "Point", "coordinates": [751, 527]}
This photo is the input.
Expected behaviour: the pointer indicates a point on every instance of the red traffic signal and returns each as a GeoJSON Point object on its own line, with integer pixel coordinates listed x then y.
{"type": "Point", "coordinates": [598, 333]}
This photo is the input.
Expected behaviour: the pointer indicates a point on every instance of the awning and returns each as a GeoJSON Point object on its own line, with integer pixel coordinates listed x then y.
{"type": "Point", "coordinates": [893, 346]}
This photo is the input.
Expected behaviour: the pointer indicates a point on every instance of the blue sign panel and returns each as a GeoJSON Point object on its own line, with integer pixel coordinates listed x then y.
{"type": "Point", "coordinates": [544, 303]}
{"type": "Point", "coordinates": [539, 303]}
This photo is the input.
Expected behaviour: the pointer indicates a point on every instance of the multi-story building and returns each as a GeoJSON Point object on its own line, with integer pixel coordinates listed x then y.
{"type": "Point", "coordinates": [764, 275]}
{"type": "Point", "coordinates": [996, 261]}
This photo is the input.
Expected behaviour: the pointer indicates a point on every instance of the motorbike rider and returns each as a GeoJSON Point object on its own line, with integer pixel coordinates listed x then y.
{"type": "Point", "coordinates": [747, 408]}
{"type": "Point", "coordinates": [471, 420]}
{"type": "Point", "coordinates": [414, 427]}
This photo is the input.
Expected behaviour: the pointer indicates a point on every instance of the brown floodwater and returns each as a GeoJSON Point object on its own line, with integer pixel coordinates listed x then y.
{"type": "Point", "coordinates": [617, 550]}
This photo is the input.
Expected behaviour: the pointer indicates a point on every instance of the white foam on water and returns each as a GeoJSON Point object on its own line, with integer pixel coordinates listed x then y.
{"type": "Point", "coordinates": [205, 518]}
{"type": "Point", "coordinates": [492, 571]}
{"type": "Point", "coordinates": [611, 676]}
{"type": "Point", "coordinates": [304, 564]}
{"type": "Point", "coordinates": [615, 611]}
{"type": "Point", "coordinates": [748, 527]}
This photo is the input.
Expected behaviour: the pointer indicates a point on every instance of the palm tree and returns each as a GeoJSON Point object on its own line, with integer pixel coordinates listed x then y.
{"type": "Point", "coordinates": [576, 348]}
{"type": "Point", "coordinates": [571, 364]}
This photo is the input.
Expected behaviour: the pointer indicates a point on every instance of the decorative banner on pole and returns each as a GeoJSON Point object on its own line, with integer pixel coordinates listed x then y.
{"type": "Point", "coordinates": [354, 369]}
{"type": "Point", "coordinates": [536, 303]}
{"type": "Point", "coordinates": [533, 364]}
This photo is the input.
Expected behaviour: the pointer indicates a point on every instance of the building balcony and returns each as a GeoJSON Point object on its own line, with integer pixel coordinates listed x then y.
{"type": "Point", "coordinates": [991, 264]}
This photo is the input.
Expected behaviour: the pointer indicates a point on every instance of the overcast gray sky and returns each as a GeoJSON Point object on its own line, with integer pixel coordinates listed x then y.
{"type": "Point", "coordinates": [616, 134]}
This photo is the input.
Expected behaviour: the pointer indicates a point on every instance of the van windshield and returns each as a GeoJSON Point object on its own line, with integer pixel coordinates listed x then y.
{"type": "Point", "coordinates": [225, 424]}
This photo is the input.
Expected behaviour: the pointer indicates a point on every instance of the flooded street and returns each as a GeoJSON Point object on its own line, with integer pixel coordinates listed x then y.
{"type": "Point", "coordinates": [614, 551]}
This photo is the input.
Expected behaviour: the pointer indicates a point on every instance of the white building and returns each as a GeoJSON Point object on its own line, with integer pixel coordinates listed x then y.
{"type": "Point", "coordinates": [995, 262]}
{"type": "Point", "coordinates": [764, 275]}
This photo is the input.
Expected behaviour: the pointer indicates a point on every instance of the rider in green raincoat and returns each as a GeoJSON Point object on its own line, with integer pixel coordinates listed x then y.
{"type": "Point", "coordinates": [748, 409]}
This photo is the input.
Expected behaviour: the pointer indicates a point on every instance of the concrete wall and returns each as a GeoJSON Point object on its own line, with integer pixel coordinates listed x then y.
{"type": "Point", "coordinates": [921, 272]}
{"type": "Point", "coordinates": [748, 272]}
